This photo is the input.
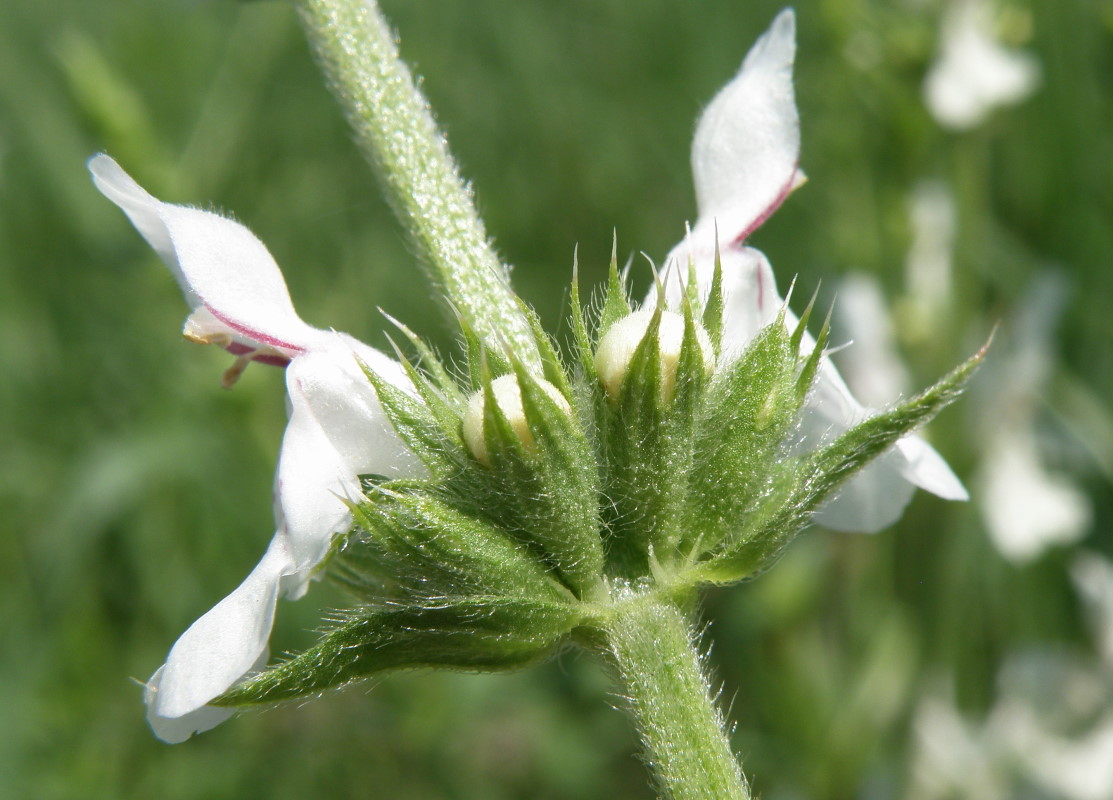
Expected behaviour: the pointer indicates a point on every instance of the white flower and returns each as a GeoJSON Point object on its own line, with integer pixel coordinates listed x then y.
{"type": "Point", "coordinates": [336, 432]}
{"type": "Point", "coordinates": [1027, 507]}
{"type": "Point", "coordinates": [974, 74]}
{"type": "Point", "coordinates": [745, 162]}
{"type": "Point", "coordinates": [928, 267]}
{"type": "Point", "coordinates": [1050, 725]}
{"type": "Point", "coordinates": [872, 367]}
{"type": "Point", "coordinates": [951, 756]}
{"type": "Point", "coordinates": [1093, 578]}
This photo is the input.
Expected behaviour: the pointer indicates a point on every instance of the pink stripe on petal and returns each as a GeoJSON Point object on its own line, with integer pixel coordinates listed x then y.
{"type": "Point", "coordinates": [771, 209]}
{"type": "Point", "coordinates": [272, 360]}
{"type": "Point", "coordinates": [760, 288]}
{"type": "Point", "coordinates": [254, 335]}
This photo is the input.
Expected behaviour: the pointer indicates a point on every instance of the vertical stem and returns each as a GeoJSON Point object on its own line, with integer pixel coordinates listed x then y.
{"type": "Point", "coordinates": [397, 133]}
{"type": "Point", "coordinates": [653, 651]}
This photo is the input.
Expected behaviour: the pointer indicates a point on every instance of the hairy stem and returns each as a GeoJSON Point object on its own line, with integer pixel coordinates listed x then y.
{"type": "Point", "coordinates": [396, 131]}
{"type": "Point", "coordinates": [652, 649]}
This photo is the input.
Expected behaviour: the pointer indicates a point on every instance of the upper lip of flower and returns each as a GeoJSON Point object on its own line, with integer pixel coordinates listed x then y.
{"type": "Point", "coordinates": [227, 275]}
{"type": "Point", "coordinates": [336, 432]}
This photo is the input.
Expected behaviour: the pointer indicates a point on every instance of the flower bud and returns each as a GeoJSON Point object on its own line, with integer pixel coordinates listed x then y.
{"type": "Point", "coordinates": [612, 358]}
{"type": "Point", "coordinates": [509, 399]}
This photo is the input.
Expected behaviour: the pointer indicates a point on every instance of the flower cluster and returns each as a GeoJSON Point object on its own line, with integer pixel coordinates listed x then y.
{"type": "Point", "coordinates": [483, 525]}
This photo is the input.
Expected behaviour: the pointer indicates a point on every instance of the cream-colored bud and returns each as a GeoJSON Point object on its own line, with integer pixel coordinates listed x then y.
{"type": "Point", "coordinates": [612, 359]}
{"type": "Point", "coordinates": [509, 399]}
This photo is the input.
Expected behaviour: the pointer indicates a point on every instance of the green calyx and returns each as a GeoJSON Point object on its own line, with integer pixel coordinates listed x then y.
{"type": "Point", "coordinates": [660, 461]}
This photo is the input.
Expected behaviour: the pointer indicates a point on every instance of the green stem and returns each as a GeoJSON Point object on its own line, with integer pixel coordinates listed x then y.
{"type": "Point", "coordinates": [652, 648]}
{"type": "Point", "coordinates": [396, 131]}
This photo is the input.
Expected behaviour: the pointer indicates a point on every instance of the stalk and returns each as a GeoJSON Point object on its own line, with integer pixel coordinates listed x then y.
{"type": "Point", "coordinates": [653, 651]}
{"type": "Point", "coordinates": [395, 129]}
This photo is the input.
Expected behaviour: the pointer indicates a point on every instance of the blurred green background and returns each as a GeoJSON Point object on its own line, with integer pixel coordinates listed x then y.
{"type": "Point", "coordinates": [135, 492]}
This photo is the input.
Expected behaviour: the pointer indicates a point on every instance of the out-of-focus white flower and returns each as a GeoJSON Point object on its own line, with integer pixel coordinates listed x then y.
{"type": "Point", "coordinates": [336, 432]}
{"type": "Point", "coordinates": [928, 265]}
{"type": "Point", "coordinates": [1035, 735]}
{"type": "Point", "coordinates": [1093, 578]}
{"type": "Point", "coordinates": [745, 162]}
{"type": "Point", "coordinates": [952, 757]}
{"type": "Point", "coordinates": [1050, 726]}
{"type": "Point", "coordinates": [1026, 508]}
{"type": "Point", "coordinates": [1068, 767]}
{"type": "Point", "coordinates": [973, 74]}
{"type": "Point", "coordinates": [870, 364]}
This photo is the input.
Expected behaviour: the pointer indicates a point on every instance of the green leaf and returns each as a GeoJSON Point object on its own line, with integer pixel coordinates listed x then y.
{"type": "Point", "coordinates": [585, 352]}
{"type": "Point", "coordinates": [647, 440]}
{"type": "Point", "coordinates": [552, 368]}
{"type": "Point", "coordinates": [429, 362]}
{"type": "Point", "coordinates": [713, 308]}
{"type": "Point", "coordinates": [465, 633]}
{"type": "Point", "coordinates": [833, 465]}
{"type": "Point", "coordinates": [482, 360]}
{"type": "Point", "coordinates": [815, 358]}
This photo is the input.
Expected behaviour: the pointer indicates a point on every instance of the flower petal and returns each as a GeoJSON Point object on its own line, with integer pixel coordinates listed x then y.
{"type": "Point", "coordinates": [750, 299]}
{"type": "Point", "coordinates": [219, 264]}
{"type": "Point", "coordinates": [876, 497]}
{"type": "Point", "coordinates": [221, 647]}
{"type": "Point", "coordinates": [872, 367]}
{"type": "Point", "coordinates": [745, 162]}
{"type": "Point", "coordinates": [922, 465]}
{"type": "Point", "coordinates": [747, 143]}
{"type": "Point", "coordinates": [337, 432]}
{"type": "Point", "coordinates": [175, 730]}
{"type": "Point", "coordinates": [872, 501]}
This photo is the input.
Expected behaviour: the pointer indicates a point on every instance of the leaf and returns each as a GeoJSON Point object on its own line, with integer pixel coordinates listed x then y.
{"type": "Point", "coordinates": [466, 633]}
{"type": "Point", "coordinates": [433, 437]}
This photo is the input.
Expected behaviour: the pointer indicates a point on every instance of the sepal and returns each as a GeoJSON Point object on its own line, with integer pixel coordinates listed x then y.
{"type": "Point", "coordinates": [428, 424]}
{"type": "Point", "coordinates": [443, 589]}
{"type": "Point", "coordinates": [646, 423]}
{"type": "Point", "coordinates": [616, 304]}
{"type": "Point", "coordinates": [410, 543]}
{"type": "Point", "coordinates": [543, 487]}
{"type": "Point", "coordinates": [800, 485]}
{"type": "Point", "coordinates": [750, 412]}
